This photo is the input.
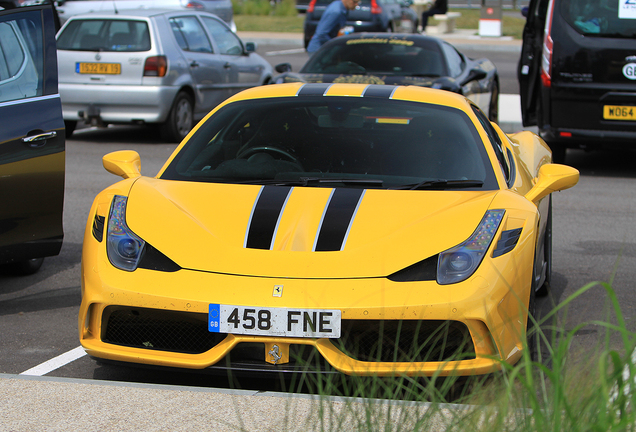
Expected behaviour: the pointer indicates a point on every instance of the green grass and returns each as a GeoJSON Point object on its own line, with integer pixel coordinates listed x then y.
{"type": "Point", "coordinates": [269, 23]}
{"type": "Point", "coordinates": [551, 393]}
{"type": "Point", "coordinates": [259, 15]}
{"type": "Point", "coordinates": [511, 26]}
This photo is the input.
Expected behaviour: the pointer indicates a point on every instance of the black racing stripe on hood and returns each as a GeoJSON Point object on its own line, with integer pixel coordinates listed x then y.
{"type": "Point", "coordinates": [337, 219]}
{"type": "Point", "coordinates": [269, 205]}
{"type": "Point", "coordinates": [379, 91]}
{"type": "Point", "coordinates": [314, 89]}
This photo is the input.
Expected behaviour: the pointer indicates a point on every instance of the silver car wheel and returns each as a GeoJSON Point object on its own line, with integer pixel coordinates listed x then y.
{"type": "Point", "coordinates": [179, 121]}
{"type": "Point", "coordinates": [183, 117]}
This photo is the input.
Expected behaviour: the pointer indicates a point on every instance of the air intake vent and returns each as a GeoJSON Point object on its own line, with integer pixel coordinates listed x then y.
{"type": "Point", "coordinates": [507, 242]}
{"type": "Point", "coordinates": [183, 332]}
{"type": "Point", "coordinates": [98, 228]}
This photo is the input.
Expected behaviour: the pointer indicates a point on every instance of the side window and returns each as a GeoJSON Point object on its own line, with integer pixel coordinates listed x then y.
{"type": "Point", "coordinates": [455, 61]}
{"type": "Point", "coordinates": [21, 61]}
{"type": "Point", "coordinates": [190, 35]}
{"type": "Point", "coordinates": [227, 41]}
{"type": "Point", "coordinates": [496, 143]}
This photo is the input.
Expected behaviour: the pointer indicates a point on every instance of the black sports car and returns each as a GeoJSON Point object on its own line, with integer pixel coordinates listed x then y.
{"type": "Point", "coordinates": [403, 59]}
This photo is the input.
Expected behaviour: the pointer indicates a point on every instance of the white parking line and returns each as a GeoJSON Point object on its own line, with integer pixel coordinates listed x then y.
{"type": "Point", "coordinates": [55, 363]}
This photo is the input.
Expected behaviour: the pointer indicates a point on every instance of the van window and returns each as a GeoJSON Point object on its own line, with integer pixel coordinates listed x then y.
{"type": "Point", "coordinates": [599, 18]}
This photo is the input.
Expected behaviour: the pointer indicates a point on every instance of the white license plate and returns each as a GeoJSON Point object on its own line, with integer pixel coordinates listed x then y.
{"type": "Point", "coordinates": [287, 322]}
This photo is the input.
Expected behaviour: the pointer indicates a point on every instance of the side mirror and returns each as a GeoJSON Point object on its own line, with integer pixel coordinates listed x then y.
{"type": "Point", "coordinates": [250, 47]}
{"type": "Point", "coordinates": [123, 163]}
{"type": "Point", "coordinates": [283, 67]}
{"type": "Point", "coordinates": [552, 178]}
{"type": "Point", "coordinates": [473, 75]}
{"type": "Point", "coordinates": [524, 11]}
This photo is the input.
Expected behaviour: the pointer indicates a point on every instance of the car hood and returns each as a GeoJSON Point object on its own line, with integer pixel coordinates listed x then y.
{"type": "Point", "coordinates": [207, 227]}
{"type": "Point", "coordinates": [358, 79]}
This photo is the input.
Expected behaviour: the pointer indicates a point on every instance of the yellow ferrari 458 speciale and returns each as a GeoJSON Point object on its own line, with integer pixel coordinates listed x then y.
{"type": "Point", "coordinates": [364, 229]}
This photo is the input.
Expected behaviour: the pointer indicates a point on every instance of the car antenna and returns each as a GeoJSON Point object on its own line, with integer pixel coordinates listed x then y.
{"type": "Point", "coordinates": [115, 7]}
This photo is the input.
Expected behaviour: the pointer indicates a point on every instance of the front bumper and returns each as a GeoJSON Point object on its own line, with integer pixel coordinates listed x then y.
{"type": "Point", "coordinates": [463, 329]}
{"type": "Point", "coordinates": [117, 103]}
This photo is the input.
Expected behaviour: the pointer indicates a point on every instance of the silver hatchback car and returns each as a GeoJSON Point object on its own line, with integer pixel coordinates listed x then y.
{"type": "Point", "coordinates": [161, 67]}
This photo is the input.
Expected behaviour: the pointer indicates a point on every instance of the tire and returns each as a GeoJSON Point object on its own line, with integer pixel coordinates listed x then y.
{"type": "Point", "coordinates": [69, 126]}
{"type": "Point", "coordinates": [180, 119]}
{"type": "Point", "coordinates": [493, 107]}
{"type": "Point", "coordinates": [544, 289]}
{"type": "Point", "coordinates": [24, 268]}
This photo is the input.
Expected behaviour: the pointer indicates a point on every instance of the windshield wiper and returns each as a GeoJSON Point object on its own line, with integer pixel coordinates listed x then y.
{"type": "Point", "coordinates": [441, 184]}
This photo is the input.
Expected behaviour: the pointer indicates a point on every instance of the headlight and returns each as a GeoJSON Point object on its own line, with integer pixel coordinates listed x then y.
{"type": "Point", "coordinates": [124, 247]}
{"type": "Point", "coordinates": [459, 263]}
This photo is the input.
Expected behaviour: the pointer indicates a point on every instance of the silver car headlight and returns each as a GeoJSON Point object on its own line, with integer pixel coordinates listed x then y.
{"type": "Point", "coordinates": [459, 263]}
{"type": "Point", "coordinates": [124, 247]}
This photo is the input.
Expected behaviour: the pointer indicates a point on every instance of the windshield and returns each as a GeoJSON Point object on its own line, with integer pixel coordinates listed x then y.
{"type": "Point", "coordinates": [604, 18]}
{"type": "Point", "coordinates": [379, 55]}
{"type": "Point", "coordinates": [336, 141]}
{"type": "Point", "coordinates": [105, 35]}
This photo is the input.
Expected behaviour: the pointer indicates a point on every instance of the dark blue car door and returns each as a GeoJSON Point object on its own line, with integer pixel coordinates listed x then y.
{"type": "Point", "coordinates": [32, 141]}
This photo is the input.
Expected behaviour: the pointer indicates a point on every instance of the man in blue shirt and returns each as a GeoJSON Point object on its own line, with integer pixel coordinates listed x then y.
{"type": "Point", "coordinates": [332, 20]}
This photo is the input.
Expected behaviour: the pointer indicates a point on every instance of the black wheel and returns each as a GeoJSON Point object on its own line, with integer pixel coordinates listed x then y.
{"type": "Point", "coordinates": [69, 126]}
{"type": "Point", "coordinates": [180, 118]}
{"type": "Point", "coordinates": [558, 152]}
{"type": "Point", "coordinates": [24, 268]}
{"type": "Point", "coordinates": [493, 107]}
{"type": "Point", "coordinates": [543, 290]}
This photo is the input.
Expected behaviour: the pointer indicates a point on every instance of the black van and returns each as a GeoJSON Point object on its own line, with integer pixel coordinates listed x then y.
{"type": "Point", "coordinates": [577, 73]}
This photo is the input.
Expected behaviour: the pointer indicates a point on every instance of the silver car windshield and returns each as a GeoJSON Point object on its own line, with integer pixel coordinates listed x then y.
{"type": "Point", "coordinates": [336, 141]}
{"type": "Point", "coordinates": [105, 35]}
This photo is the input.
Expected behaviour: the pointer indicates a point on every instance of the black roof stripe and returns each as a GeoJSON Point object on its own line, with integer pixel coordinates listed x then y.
{"type": "Point", "coordinates": [314, 89]}
{"type": "Point", "coordinates": [379, 91]}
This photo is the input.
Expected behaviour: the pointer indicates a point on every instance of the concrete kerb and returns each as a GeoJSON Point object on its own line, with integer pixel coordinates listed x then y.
{"type": "Point", "coordinates": [49, 403]}
{"type": "Point", "coordinates": [461, 38]}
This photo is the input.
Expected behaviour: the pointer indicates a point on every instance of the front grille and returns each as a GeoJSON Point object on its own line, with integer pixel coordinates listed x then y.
{"type": "Point", "coordinates": [405, 341]}
{"type": "Point", "coordinates": [183, 332]}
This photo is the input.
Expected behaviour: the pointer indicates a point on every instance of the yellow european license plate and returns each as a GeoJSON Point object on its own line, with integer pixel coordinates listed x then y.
{"type": "Point", "coordinates": [99, 68]}
{"type": "Point", "coordinates": [617, 112]}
